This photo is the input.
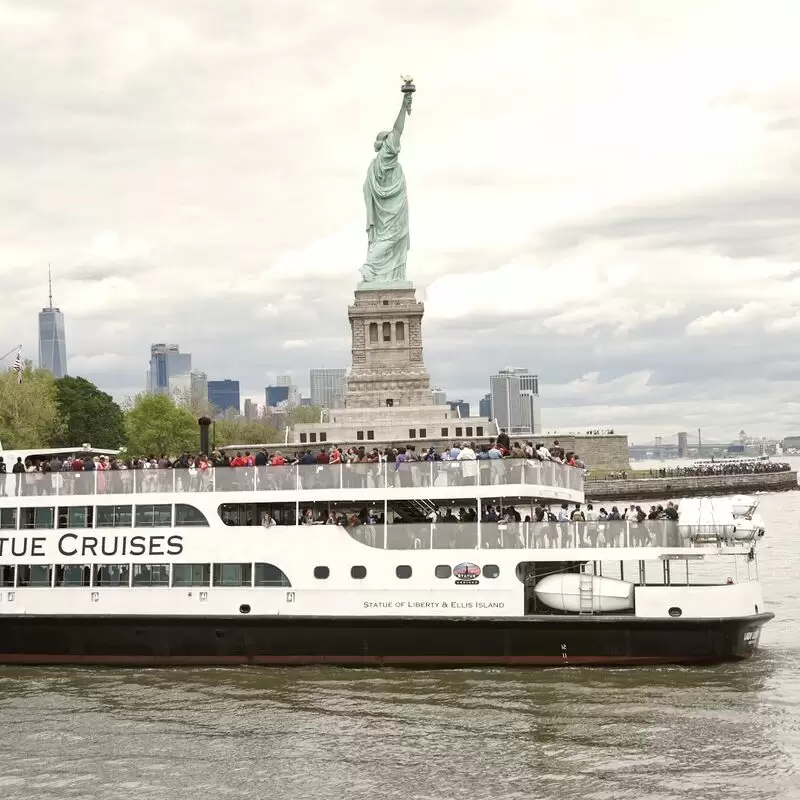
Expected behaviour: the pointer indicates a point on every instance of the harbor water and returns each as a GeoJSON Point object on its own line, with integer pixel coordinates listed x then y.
{"type": "Point", "coordinates": [730, 731]}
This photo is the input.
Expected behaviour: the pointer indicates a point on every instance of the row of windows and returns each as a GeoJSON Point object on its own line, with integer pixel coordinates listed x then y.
{"type": "Point", "coordinates": [180, 575]}
{"type": "Point", "coordinates": [386, 332]}
{"type": "Point", "coordinates": [404, 571]}
{"type": "Point", "coordinates": [413, 433]}
{"type": "Point", "coordinates": [312, 437]}
{"type": "Point", "coordinates": [140, 516]}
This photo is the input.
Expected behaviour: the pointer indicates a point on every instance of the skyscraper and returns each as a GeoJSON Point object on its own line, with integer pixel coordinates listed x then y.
{"type": "Point", "coordinates": [277, 396]}
{"type": "Point", "coordinates": [438, 397]}
{"type": "Point", "coordinates": [485, 406]}
{"type": "Point", "coordinates": [224, 395]}
{"type": "Point", "coordinates": [52, 340]}
{"type": "Point", "coordinates": [198, 387]}
{"type": "Point", "coordinates": [166, 364]}
{"type": "Point", "coordinates": [514, 395]}
{"type": "Point", "coordinates": [250, 410]}
{"type": "Point", "coordinates": [327, 387]}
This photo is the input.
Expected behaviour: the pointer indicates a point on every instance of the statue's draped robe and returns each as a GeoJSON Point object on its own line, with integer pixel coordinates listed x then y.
{"type": "Point", "coordinates": [387, 210]}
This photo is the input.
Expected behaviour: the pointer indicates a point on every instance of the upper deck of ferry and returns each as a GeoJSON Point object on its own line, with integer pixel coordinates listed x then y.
{"type": "Point", "coordinates": [510, 477]}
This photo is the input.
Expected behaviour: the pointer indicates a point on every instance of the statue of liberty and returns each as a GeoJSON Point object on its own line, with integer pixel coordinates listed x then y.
{"type": "Point", "coordinates": [387, 205]}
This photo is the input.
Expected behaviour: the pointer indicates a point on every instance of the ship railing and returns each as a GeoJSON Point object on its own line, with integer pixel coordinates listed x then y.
{"type": "Point", "coordinates": [538, 535]}
{"type": "Point", "coordinates": [497, 472]}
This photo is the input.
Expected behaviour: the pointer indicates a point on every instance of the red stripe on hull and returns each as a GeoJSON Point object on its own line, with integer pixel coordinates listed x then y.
{"type": "Point", "coordinates": [368, 661]}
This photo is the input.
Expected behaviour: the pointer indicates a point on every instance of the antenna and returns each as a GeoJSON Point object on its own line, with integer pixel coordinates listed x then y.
{"type": "Point", "coordinates": [50, 286]}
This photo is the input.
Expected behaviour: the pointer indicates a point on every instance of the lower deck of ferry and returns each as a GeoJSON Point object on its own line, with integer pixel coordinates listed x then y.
{"type": "Point", "coordinates": [426, 642]}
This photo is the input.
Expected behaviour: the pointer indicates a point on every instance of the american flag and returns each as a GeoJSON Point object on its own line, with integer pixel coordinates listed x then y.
{"type": "Point", "coordinates": [18, 366]}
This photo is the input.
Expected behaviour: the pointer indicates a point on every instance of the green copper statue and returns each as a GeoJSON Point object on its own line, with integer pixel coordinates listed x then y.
{"type": "Point", "coordinates": [387, 205]}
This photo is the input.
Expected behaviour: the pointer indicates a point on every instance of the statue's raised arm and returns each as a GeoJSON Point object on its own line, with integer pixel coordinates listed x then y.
{"type": "Point", "coordinates": [387, 206]}
{"type": "Point", "coordinates": [405, 109]}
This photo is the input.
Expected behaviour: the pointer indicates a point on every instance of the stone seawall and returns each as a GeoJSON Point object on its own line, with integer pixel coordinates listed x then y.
{"type": "Point", "coordinates": [674, 488]}
{"type": "Point", "coordinates": [607, 452]}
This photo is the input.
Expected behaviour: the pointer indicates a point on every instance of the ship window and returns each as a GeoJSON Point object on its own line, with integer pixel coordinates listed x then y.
{"type": "Point", "coordinates": [400, 332]}
{"type": "Point", "coordinates": [403, 571]}
{"type": "Point", "coordinates": [321, 573]}
{"type": "Point", "coordinates": [233, 574]}
{"type": "Point", "coordinates": [270, 575]}
{"type": "Point", "coordinates": [33, 575]}
{"type": "Point", "coordinates": [479, 431]}
{"type": "Point", "coordinates": [191, 574]}
{"type": "Point", "coordinates": [153, 516]}
{"type": "Point", "coordinates": [114, 516]}
{"type": "Point", "coordinates": [323, 437]}
{"type": "Point", "coordinates": [112, 575]}
{"type": "Point", "coordinates": [491, 571]}
{"type": "Point", "coordinates": [412, 433]}
{"type": "Point", "coordinates": [72, 575]}
{"type": "Point", "coordinates": [387, 331]}
{"type": "Point", "coordinates": [303, 438]}
{"type": "Point", "coordinates": [370, 435]}
{"type": "Point", "coordinates": [422, 433]}
{"type": "Point", "coordinates": [358, 572]}
{"type": "Point", "coordinates": [186, 515]}
{"type": "Point", "coordinates": [37, 517]}
{"type": "Point", "coordinates": [75, 516]}
{"type": "Point", "coordinates": [459, 432]}
{"type": "Point", "coordinates": [373, 331]}
{"type": "Point", "coordinates": [443, 571]}
{"type": "Point", "coordinates": [8, 518]}
{"type": "Point", "coordinates": [360, 436]}
{"type": "Point", "coordinates": [444, 431]}
{"type": "Point", "coordinates": [151, 574]}
{"type": "Point", "coordinates": [6, 575]}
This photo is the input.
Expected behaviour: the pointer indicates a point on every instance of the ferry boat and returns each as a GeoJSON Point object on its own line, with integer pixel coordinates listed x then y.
{"type": "Point", "coordinates": [423, 564]}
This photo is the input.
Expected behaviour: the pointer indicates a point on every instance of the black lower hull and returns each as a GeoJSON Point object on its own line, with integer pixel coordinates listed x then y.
{"type": "Point", "coordinates": [380, 641]}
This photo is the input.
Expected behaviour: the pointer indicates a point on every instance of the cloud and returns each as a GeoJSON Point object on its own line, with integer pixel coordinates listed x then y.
{"type": "Point", "coordinates": [724, 321]}
{"type": "Point", "coordinates": [193, 174]}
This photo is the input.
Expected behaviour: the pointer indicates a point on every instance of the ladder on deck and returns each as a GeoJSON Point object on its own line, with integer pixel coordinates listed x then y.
{"type": "Point", "coordinates": [586, 589]}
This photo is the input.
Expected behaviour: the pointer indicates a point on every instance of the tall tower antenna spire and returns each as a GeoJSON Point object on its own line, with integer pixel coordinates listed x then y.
{"type": "Point", "coordinates": [50, 286]}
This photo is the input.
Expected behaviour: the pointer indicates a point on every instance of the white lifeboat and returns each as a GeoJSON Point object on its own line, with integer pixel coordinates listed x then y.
{"type": "Point", "coordinates": [563, 592]}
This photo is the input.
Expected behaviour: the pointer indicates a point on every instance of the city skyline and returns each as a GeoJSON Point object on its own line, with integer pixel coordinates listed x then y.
{"type": "Point", "coordinates": [641, 223]}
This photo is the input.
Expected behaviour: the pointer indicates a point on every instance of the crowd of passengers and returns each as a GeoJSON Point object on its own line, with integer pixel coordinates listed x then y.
{"type": "Point", "coordinates": [402, 458]}
{"type": "Point", "coordinates": [489, 513]}
{"type": "Point", "coordinates": [721, 468]}
{"type": "Point", "coordinates": [567, 526]}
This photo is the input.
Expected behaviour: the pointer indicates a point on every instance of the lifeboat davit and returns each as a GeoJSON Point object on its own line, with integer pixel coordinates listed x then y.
{"type": "Point", "coordinates": [563, 592]}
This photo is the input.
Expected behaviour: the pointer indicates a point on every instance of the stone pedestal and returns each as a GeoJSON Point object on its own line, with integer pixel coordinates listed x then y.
{"type": "Point", "coordinates": [386, 328]}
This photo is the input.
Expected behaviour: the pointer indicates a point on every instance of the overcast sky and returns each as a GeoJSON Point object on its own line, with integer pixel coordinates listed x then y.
{"type": "Point", "coordinates": [605, 192]}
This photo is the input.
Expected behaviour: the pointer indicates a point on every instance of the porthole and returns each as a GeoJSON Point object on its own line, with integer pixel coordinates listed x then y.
{"type": "Point", "coordinates": [491, 571]}
{"type": "Point", "coordinates": [675, 611]}
{"type": "Point", "coordinates": [443, 571]}
{"type": "Point", "coordinates": [403, 571]}
{"type": "Point", "coordinates": [244, 609]}
{"type": "Point", "coordinates": [358, 572]}
{"type": "Point", "coordinates": [321, 573]}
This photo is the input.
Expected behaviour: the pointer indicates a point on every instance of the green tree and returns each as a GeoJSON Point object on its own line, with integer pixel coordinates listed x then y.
{"type": "Point", "coordinates": [88, 415]}
{"type": "Point", "coordinates": [239, 431]}
{"type": "Point", "coordinates": [301, 414]}
{"type": "Point", "coordinates": [28, 412]}
{"type": "Point", "coordinates": [155, 425]}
